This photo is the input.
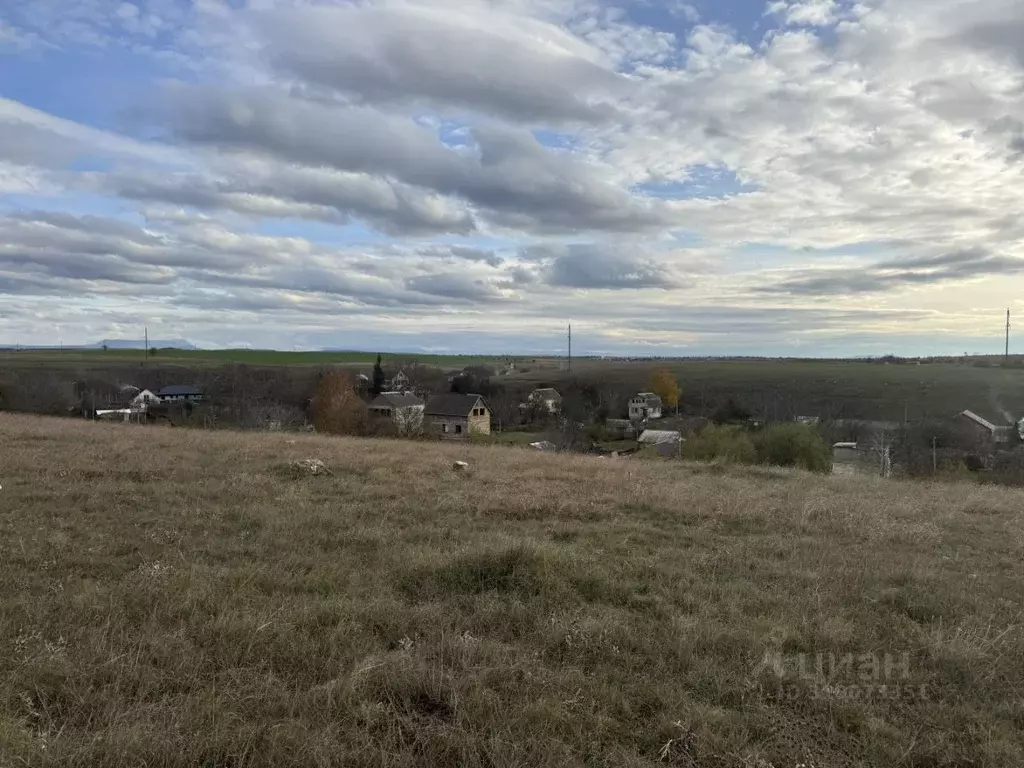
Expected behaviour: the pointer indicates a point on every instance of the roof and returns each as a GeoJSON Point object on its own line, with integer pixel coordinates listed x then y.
{"type": "Point", "coordinates": [179, 389]}
{"type": "Point", "coordinates": [618, 423]}
{"type": "Point", "coordinates": [659, 436]}
{"type": "Point", "coordinates": [396, 400]}
{"type": "Point", "coordinates": [546, 393]}
{"type": "Point", "coordinates": [652, 399]}
{"type": "Point", "coordinates": [452, 404]}
{"type": "Point", "coordinates": [978, 420]}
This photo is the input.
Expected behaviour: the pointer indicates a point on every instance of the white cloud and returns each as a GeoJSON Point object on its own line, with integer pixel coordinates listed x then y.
{"type": "Point", "coordinates": [894, 129]}
{"type": "Point", "coordinates": [813, 13]}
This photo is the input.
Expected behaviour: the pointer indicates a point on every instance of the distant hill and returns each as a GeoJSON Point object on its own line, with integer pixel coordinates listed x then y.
{"type": "Point", "coordinates": [140, 344]}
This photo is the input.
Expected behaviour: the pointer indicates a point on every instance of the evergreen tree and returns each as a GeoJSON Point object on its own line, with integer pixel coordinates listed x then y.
{"type": "Point", "coordinates": [378, 377]}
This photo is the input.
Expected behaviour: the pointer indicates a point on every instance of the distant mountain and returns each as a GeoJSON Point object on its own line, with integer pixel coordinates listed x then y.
{"type": "Point", "coordinates": [141, 344]}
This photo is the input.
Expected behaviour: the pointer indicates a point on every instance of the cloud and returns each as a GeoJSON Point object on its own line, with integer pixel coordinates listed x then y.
{"type": "Point", "coordinates": [476, 254]}
{"type": "Point", "coordinates": [190, 255]}
{"type": "Point", "coordinates": [813, 13]}
{"type": "Point", "coordinates": [499, 150]}
{"type": "Point", "coordinates": [279, 190]}
{"type": "Point", "coordinates": [466, 57]}
{"type": "Point", "coordinates": [507, 174]}
{"type": "Point", "coordinates": [591, 266]}
{"type": "Point", "coordinates": [454, 285]}
{"type": "Point", "coordinates": [34, 137]}
{"type": "Point", "coordinates": [13, 40]}
{"type": "Point", "coordinates": [899, 274]}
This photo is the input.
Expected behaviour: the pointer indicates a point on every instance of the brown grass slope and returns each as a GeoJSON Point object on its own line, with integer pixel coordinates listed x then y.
{"type": "Point", "coordinates": [182, 598]}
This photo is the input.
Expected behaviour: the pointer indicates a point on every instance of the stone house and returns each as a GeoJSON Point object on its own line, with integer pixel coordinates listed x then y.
{"type": "Point", "coordinates": [403, 409]}
{"type": "Point", "coordinates": [456, 417]}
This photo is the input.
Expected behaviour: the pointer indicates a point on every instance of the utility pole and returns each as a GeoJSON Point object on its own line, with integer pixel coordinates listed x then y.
{"type": "Point", "coordinates": [145, 352]}
{"type": "Point", "coordinates": [1006, 354]}
{"type": "Point", "coordinates": [570, 348]}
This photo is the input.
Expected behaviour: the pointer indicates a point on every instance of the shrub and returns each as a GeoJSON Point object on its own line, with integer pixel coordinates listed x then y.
{"type": "Point", "coordinates": [720, 443]}
{"type": "Point", "coordinates": [794, 445]}
{"type": "Point", "coordinates": [731, 412]}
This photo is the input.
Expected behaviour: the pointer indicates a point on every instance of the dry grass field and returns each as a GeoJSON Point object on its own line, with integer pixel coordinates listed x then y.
{"type": "Point", "coordinates": [182, 598]}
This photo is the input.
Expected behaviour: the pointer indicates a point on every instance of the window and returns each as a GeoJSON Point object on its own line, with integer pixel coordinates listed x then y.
{"type": "Point", "coordinates": [458, 429]}
{"type": "Point", "coordinates": [444, 427]}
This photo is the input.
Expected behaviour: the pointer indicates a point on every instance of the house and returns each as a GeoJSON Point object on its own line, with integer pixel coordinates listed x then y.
{"type": "Point", "coordinates": [456, 416]}
{"type": "Point", "coordinates": [978, 432]}
{"type": "Point", "coordinates": [180, 393]}
{"type": "Point", "coordinates": [143, 400]}
{"type": "Point", "coordinates": [403, 409]}
{"type": "Point", "coordinates": [545, 398]}
{"type": "Point", "coordinates": [399, 382]}
{"type": "Point", "coordinates": [646, 405]}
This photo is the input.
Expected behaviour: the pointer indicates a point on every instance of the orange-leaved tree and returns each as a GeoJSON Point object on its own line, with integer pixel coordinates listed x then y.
{"type": "Point", "coordinates": [338, 408]}
{"type": "Point", "coordinates": [664, 385]}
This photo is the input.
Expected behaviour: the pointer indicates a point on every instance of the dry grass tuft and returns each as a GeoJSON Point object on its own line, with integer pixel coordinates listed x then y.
{"type": "Point", "coordinates": [183, 598]}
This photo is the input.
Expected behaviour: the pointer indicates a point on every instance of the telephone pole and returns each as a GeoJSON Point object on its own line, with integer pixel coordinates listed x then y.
{"type": "Point", "coordinates": [1006, 354]}
{"type": "Point", "coordinates": [569, 359]}
{"type": "Point", "coordinates": [146, 349]}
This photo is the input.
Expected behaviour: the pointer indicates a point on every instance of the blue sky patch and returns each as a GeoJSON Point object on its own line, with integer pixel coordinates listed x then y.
{"type": "Point", "coordinates": [702, 181]}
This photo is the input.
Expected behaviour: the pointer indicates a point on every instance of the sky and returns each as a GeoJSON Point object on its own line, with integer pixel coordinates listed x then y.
{"type": "Point", "coordinates": [715, 177]}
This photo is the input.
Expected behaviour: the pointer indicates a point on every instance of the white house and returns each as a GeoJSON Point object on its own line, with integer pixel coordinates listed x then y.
{"type": "Point", "coordinates": [143, 400]}
{"type": "Point", "coordinates": [404, 410]}
{"type": "Point", "coordinates": [399, 382]}
{"type": "Point", "coordinates": [545, 398]}
{"type": "Point", "coordinates": [645, 405]}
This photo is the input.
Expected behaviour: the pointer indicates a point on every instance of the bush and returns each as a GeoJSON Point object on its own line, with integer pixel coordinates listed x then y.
{"type": "Point", "coordinates": [731, 412]}
{"type": "Point", "coordinates": [720, 443]}
{"type": "Point", "coordinates": [794, 445]}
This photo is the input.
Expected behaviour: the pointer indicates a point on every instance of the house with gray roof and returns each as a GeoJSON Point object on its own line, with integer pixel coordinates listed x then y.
{"type": "Point", "coordinates": [455, 416]}
{"type": "Point", "coordinates": [403, 409]}
{"type": "Point", "coordinates": [180, 393]}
